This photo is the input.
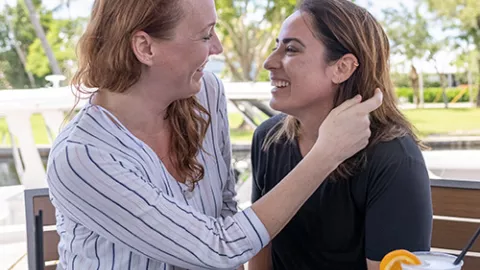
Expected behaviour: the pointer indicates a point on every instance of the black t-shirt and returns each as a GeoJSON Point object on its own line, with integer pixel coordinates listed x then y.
{"type": "Point", "coordinates": [386, 206]}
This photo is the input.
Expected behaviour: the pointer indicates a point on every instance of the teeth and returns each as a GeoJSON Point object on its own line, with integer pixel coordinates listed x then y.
{"type": "Point", "coordinates": [280, 83]}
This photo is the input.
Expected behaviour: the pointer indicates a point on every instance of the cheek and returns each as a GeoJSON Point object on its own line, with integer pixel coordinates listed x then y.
{"type": "Point", "coordinates": [189, 57]}
{"type": "Point", "coordinates": [312, 84]}
{"type": "Point", "coordinates": [200, 52]}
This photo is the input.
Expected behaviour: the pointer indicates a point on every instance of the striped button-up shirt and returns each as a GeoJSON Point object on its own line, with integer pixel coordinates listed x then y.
{"type": "Point", "coordinates": [119, 208]}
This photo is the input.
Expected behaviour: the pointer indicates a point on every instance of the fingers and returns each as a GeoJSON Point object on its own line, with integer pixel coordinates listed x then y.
{"type": "Point", "coordinates": [349, 103]}
{"type": "Point", "coordinates": [370, 104]}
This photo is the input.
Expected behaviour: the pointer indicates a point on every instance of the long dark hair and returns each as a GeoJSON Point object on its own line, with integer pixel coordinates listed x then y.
{"type": "Point", "coordinates": [344, 27]}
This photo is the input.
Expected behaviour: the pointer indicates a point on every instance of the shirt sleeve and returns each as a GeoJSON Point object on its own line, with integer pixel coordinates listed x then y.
{"type": "Point", "coordinates": [109, 197]}
{"type": "Point", "coordinates": [398, 209]}
{"type": "Point", "coordinates": [229, 206]}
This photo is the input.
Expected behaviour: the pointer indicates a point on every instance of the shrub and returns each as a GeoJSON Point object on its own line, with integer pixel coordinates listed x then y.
{"type": "Point", "coordinates": [434, 94]}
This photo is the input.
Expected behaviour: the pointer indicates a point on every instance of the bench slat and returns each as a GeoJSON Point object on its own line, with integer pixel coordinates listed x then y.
{"type": "Point", "coordinates": [51, 267]}
{"type": "Point", "coordinates": [453, 234]}
{"type": "Point", "coordinates": [50, 245]}
{"type": "Point", "coordinates": [456, 202]}
{"type": "Point", "coordinates": [471, 263]}
{"type": "Point", "coordinates": [43, 203]}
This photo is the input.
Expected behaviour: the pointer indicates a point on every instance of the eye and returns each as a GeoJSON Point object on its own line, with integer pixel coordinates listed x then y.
{"type": "Point", "coordinates": [291, 49]}
{"type": "Point", "coordinates": [207, 38]}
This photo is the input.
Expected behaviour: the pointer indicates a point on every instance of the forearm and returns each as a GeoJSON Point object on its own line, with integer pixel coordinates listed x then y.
{"type": "Point", "coordinates": [263, 260]}
{"type": "Point", "coordinates": [126, 211]}
{"type": "Point", "coordinates": [293, 190]}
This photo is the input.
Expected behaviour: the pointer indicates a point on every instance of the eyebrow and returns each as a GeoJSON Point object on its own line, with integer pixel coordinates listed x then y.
{"type": "Point", "coordinates": [287, 40]}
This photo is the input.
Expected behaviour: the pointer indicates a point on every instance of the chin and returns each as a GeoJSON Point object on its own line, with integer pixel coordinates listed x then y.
{"type": "Point", "coordinates": [287, 107]}
{"type": "Point", "coordinates": [280, 106]}
{"type": "Point", "coordinates": [195, 88]}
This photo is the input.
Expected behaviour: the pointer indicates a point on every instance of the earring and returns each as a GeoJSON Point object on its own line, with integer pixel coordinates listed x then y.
{"type": "Point", "coordinates": [356, 64]}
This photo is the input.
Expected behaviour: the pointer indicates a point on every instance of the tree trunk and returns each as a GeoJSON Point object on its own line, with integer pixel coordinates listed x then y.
{"type": "Point", "coordinates": [20, 53]}
{"type": "Point", "coordinates": [34, 18]}
{"type": "Point", "coordinates": [444, 91]}
{"type": "Point", "coordinates": [415, 85]}
{"type": "Point", "coordinates": [478, 83]}
{"type": "Point", "coordinates": [23, 59]}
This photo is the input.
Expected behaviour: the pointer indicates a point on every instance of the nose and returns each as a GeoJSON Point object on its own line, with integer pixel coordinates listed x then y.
{"type": "Point", "coordinates": [216, 47]}
{"type": "Point", "coordinates": [272, 62]}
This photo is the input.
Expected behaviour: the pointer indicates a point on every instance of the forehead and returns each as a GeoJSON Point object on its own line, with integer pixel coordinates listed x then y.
{"type": "Point", "coordinates": [199, 13]}
{"type": "Point", "coordinates": [298, 26]}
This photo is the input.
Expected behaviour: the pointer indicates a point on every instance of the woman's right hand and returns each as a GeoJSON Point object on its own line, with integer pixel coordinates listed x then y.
{"type": "Point", "coordinates": [346, 129]}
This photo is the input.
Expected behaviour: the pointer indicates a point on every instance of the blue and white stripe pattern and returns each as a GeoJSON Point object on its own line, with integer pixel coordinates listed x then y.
{"type": "Point", "coordinates": [119, 208]}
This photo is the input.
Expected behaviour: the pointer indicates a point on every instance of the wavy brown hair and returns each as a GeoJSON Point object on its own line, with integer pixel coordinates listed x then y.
{"type": "Point", "coordinates": [343, 28]}
{"type": "Point", "coordinates": [107, 63]}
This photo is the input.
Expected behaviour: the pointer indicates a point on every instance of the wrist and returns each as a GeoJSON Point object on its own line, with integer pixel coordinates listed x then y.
{"type": "Point", "coordinates": [321, 155]}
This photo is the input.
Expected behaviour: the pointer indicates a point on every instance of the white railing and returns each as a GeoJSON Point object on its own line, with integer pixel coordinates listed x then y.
{"type": "Point", "coordinates": [17, 107]}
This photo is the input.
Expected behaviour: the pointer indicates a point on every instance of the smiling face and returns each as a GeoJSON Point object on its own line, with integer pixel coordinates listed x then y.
{"type": "Point", "coordinates": [301, 76]}
{"type": "Point", "coordinates": [178, 63]}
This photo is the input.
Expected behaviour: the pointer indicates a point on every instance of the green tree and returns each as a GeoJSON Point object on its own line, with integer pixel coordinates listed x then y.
{"type": "Point", "coordinates": [21, 52]}
{"type": "Point", "coordinates": [40, 32]}
{"type": "Point", "coordinates": [16, 35]}
{"type": "Point", "coordinates": [432, 55]}
{"type": "Point", "coordinates": [248, 30]}
{"type": "Point", "coordinates": [463, 15]}
{"type": "Point", "coordinates": [408, 34]}
{"type": "Point", "coordinates": [62, 37]}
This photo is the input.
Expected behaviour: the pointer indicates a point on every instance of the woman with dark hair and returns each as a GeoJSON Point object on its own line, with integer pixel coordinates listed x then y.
{"type": "Point", "coordinates": [376, 201]}
{"type": "Point", "coordinates": [141, 177]}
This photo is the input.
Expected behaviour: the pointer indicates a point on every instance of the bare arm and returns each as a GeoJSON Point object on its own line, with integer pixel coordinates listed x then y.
{"type": "Point", "coordinates": [263, 260]}
{"type": "Point", "coordinates": [373, 265]}
{"type": "Point", "coordinates": [344, 132]}
{"type": "Point", "coordinates": [109, 197]}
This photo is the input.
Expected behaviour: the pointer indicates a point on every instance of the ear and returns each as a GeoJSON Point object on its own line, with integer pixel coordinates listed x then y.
{"type": "Point", "coordinates": [142, 47]}
{"type": "Point", "coordinates": [344, 68]}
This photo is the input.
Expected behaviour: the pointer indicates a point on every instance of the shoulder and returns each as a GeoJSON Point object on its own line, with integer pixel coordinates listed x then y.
{"type": "Point", "coordinates": [395, 151]}
{"type": "Point", "coordinates": [398, 161]}
{"type": "Point", "coordinates": [91, 128]}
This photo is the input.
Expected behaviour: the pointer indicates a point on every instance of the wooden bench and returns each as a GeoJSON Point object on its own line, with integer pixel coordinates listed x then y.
{"type": "Point", "coordinates": [42, 237]}
{"type": "Point", "coordinates": [456, 210]}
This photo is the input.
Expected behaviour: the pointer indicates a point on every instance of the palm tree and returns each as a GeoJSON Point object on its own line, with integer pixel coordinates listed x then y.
{"type": "Point", "coordinates": [34, 18]}
{"type": "Point", "coordinates": [18, 48]}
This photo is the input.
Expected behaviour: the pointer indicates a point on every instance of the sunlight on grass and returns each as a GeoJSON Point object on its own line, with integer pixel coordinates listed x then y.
{"type": "Point", "coordinates": [456, 122]}
{"type": "Point", "coordinates": [38, 128]}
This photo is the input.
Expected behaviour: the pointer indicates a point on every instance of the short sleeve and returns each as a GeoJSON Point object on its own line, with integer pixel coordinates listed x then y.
{"type": "Point", "coordinates": [398, 209]}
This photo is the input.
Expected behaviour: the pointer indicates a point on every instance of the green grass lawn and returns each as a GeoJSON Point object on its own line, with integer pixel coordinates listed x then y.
{"type": "Point", "coordinates": [445, 121]}
{"type": "Point", "coordinates": [427, 121]}
{"type": "Point", "coordinates": [458, 122]}
{"type": "Point", "coordinates": [38, 127]}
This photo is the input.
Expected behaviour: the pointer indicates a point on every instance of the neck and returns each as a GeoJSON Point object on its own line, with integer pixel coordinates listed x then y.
{"type": "Point", "coordinates": [310, 122]}
{"type": "Point", "coordinates": [136, 109]}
